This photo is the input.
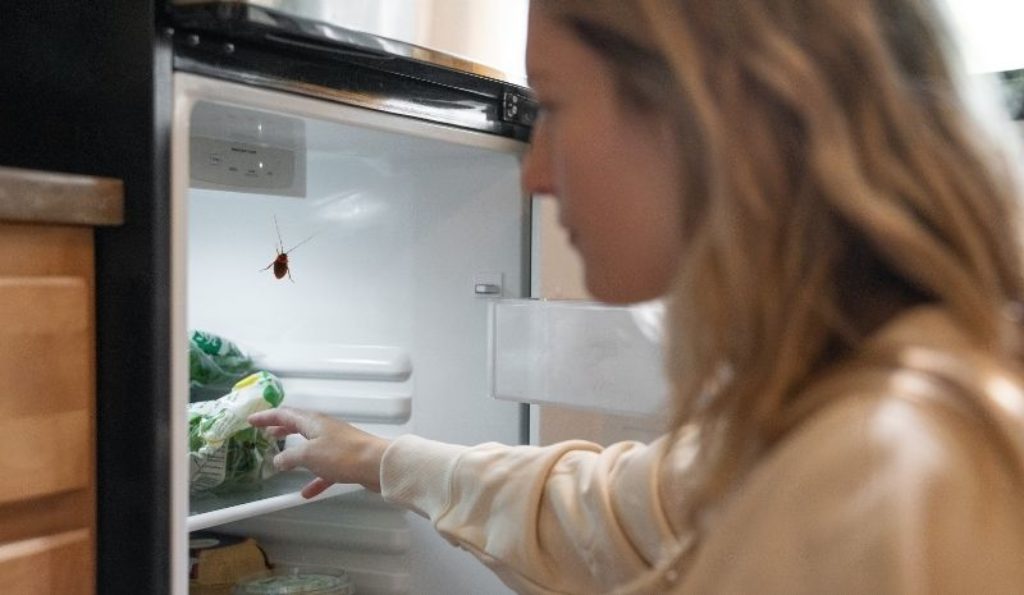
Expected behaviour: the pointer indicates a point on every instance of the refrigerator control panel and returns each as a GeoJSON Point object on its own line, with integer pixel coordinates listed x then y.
{"type": "Point", "coordinates": [237, 149]}
{"type": "Point", "coordinates": [226, 164]}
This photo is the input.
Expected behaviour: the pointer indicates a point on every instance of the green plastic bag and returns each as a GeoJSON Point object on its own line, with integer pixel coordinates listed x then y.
{"type": "Point", "coordinates": [216, 363]}
{"type": "Point", "coordinates": [226, 454]}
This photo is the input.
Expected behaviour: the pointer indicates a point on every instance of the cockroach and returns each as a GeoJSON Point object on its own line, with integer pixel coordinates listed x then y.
{"type": "Point", "coordinates": [280, 262]}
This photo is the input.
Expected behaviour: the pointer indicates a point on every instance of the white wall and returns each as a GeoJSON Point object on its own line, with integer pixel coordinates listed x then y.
{"type": "Point", "coordinates": [991, 33]}
{"type": "Point", "coordinates": [489, 32]}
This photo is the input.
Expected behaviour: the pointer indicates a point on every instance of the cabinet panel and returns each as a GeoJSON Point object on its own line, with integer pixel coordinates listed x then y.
{"type": "Point", "coordinates": [67, 511]}
{"type": "Point", "coordinates": [61, 563]}
{"type": "Point", "coordinates": [50, 250]}
{"type": "Point", "coordinates": [46, 364]}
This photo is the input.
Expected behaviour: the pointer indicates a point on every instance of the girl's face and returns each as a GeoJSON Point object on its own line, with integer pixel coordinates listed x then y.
{"type": "Point", "coordinates": [612, 168]}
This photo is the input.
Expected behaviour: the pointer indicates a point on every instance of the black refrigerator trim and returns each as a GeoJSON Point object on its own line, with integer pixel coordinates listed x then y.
{"type": "Point", "coordinates": [260, 47]}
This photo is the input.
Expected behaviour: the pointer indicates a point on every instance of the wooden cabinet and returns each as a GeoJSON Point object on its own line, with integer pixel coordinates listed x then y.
{"type": "Point", "coordinates": [47, 387]}
{"type": "Point", "coordinates": [61, 563]}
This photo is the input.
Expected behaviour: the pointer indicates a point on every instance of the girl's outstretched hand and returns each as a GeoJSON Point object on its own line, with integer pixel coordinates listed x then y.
{"type": "Point", "coordinates": [337, 452]}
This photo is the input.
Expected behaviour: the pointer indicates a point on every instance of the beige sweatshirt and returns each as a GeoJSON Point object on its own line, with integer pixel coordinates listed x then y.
{"type": "Point", "coordinates": [881, 491]}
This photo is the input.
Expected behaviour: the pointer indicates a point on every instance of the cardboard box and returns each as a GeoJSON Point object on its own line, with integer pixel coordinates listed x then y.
{"type": "Point", "coordinates": [217, 562]}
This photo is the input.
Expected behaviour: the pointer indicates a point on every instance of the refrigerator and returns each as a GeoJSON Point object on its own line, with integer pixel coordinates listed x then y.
{"type": "Point", "coordinates": [389, 173]}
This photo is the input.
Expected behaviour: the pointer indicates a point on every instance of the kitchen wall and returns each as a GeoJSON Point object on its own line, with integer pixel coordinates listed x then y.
{"type": "Point", "coordinates": [490, 32]}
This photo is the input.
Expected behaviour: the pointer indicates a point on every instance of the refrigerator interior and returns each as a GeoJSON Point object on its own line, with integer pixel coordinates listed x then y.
{"type": "Point", "coordinates": [398, 234]}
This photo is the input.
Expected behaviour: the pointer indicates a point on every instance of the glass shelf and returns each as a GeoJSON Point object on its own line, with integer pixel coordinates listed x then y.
{"type": "Point", "coordinates": [277, 493]}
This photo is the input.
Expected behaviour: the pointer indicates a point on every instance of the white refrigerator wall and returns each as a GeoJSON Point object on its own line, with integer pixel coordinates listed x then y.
{"type": "Point", "coordinates": [404, 219]}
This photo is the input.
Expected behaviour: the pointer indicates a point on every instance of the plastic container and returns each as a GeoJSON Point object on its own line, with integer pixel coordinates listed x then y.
{"type": "Point", "coordinates": [296, 581]}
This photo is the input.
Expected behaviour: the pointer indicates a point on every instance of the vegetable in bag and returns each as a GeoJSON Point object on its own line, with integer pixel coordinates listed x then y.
{"type": "Point", "coordinates": [215, 362]}
{"type": "Point", "coordinates": [227, 454]}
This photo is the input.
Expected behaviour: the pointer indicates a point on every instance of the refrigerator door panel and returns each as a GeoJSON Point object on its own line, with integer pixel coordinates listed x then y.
{"type": "Point", "coordinates": [378, 317]}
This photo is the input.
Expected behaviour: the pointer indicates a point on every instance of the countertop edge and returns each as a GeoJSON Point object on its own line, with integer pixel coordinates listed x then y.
{"type": "Point", "coordinates": [32, 196]}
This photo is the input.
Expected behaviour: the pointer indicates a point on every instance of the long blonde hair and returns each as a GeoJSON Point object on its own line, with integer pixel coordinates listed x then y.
{"type": "Point", "coordinates": [833, 179]}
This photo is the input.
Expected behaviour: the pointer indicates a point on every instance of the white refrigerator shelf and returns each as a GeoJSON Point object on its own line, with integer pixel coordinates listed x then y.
{"type": "Point", "coordinates": [328, 360]}
{"type": "Point", "coordinates": [277, 493]}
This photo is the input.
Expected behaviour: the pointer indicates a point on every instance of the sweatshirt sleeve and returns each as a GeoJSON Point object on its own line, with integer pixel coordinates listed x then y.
{"type": "Point", "coordinates": [567, 518]}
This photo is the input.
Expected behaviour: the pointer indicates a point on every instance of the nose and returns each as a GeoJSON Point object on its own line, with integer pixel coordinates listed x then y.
{"type": "Point", "coordinates": [537, 175]}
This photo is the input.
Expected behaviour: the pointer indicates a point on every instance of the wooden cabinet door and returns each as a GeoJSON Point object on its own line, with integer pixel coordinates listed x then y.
{"type": "Point", "coordinates": [48, 565]}
{"type": "Point", "coordinates": [46, 367]}
{"type": "Point", "coordinates": [47, 394]}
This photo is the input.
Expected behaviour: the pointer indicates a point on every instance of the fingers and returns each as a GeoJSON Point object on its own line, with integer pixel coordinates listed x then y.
{"type": "Point", "coordinates": [264, 419]}
{"type": "Point", "coordinates": [295, 456]}
{"type": "Point", "coordinates": [277, 432]}
{"type": "Point", "coordinates": [285, 420]}
{"type": "Point", "coordinates": [331, 448]}
{"type": "Point", "coordinates": [316, 487]}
